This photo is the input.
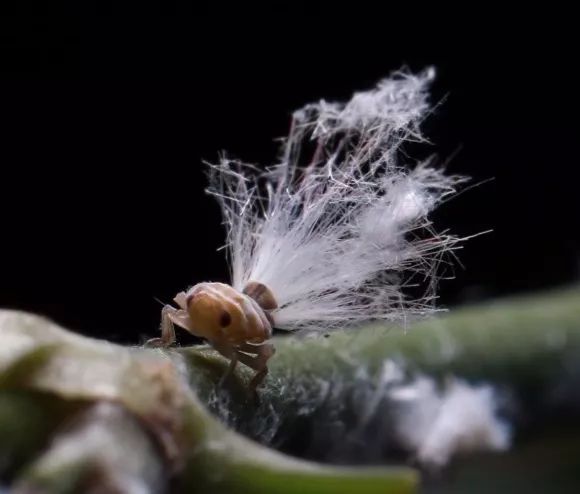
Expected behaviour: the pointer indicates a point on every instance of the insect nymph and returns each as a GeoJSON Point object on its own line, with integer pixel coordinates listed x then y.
{"type": "Point", "coordinates": [330, 236]}
{"type": "Point", "coordinates": [236, 324]}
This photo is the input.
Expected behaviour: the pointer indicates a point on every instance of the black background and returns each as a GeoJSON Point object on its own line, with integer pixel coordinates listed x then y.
{"type": "Point", "coordinates": [105, 119]}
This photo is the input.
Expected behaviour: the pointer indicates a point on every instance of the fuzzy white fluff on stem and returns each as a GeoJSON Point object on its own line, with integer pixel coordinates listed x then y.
{"type": "Point", "coordinates": [339, 228]}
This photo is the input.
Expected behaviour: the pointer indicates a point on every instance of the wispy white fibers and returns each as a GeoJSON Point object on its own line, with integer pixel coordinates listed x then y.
{"type": "Point", "coordinates": [339, 228]}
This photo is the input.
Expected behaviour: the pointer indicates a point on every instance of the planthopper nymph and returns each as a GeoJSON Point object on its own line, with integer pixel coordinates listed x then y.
{"type": "Point", "coordinates": [237, 324]}
{"type": "Point", "coordinates": [336, 234]}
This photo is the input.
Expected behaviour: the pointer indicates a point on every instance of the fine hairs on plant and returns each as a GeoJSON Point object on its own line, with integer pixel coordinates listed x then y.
{"type": "Point", "coordinates": [339, 228]}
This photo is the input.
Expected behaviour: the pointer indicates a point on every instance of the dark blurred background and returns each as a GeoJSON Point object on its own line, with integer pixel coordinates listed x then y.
{"type": "Point", "coordinates": [105, 119]}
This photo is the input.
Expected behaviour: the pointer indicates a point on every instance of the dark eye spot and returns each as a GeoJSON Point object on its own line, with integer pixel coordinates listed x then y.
{"type": "Point", "coordinates": [225, 319]}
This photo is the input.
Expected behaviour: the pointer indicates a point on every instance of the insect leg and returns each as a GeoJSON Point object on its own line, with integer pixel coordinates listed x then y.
{"type": "Point", "coordinates": [169, 315]}
{"type": "Point", "coordinates": [231, 368]}
{"type": "Point", "coordinates": [259, 363]}
{"type": "Point", "coordinates": [229, 352]}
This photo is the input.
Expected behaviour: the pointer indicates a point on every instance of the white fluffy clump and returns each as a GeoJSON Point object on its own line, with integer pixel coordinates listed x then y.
{"type": "Point", "coordinates": [339, 228]}
{"type": "Point", "coordinates": [437, 424]}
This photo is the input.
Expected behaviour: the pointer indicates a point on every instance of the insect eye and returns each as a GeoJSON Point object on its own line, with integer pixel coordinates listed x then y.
{"type": "Point", "coordinates": [225, 319]}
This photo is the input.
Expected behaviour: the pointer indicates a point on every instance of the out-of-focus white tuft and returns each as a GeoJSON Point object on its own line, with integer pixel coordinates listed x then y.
{"type": "Point", "coordinates": [437, 424]}
{"type": "Point", "coordinates": [339, 228]}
